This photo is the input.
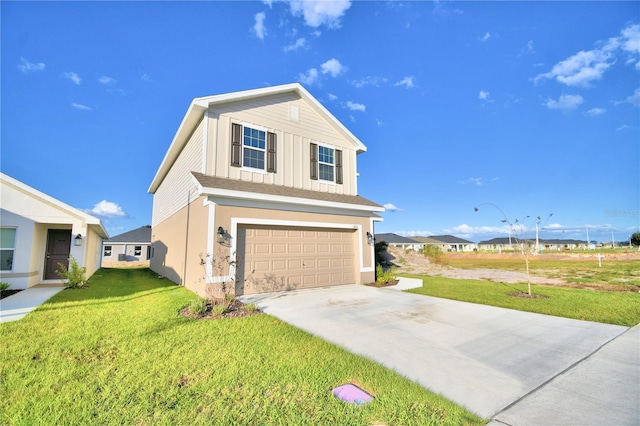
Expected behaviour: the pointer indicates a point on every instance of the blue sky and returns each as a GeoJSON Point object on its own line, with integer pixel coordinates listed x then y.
{"type": "Point", "coordinates": [533, 107]}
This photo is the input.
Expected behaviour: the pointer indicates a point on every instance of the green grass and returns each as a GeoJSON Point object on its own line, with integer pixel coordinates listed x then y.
{"type": "Point", "coordinates": [118, 352]}
{"type": "Point", "coordinates": [622, 308]}
{"type": "Point", "coordinates": [580, 271]}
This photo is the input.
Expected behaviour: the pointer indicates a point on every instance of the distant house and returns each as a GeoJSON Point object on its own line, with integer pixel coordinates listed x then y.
{"type": "Point", "coordinates": [39, 232]}
{"type": "Point", "coordinates": [499, 244]}
{"type": "Point", "coordinates": [399, 241]}
{"type": "Point", "coordinates": [132, 248]}
{"type": "Point", "coordinates": [448, 243]}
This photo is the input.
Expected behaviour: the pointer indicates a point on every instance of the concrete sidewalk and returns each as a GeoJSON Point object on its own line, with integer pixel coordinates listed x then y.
{"type": "Point", "coordinates": [604, 389]}
{"type": "Point", "coordinates": [16, 306]}
{"type": "Point", "coordinates": [482, 357]}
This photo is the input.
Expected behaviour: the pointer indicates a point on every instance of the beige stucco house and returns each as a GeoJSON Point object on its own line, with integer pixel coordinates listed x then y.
{"type": "Point", "coordinates": [258, 192]}
{"type": "Point", "coordinates": [38, 231]}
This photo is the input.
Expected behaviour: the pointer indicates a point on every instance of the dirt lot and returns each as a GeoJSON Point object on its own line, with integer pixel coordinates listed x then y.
{"type": "Point", "coordinates": [410, 262]}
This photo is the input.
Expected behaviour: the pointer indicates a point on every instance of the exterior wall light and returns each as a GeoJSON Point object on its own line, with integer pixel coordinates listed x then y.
{"type": "Point", "coordinates": [222, 235]}
{"type": "Point", "coordinates": [370, 238]}
{"type": "Point", "coordinates": [77, 241]}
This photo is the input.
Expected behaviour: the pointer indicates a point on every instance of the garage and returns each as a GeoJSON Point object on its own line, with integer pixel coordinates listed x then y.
{"type": "Point", "coordinates": [286, 258]}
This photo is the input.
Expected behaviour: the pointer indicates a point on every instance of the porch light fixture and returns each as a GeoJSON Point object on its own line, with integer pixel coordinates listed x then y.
{"type": "Point", "coordinates": [222, 235]}
{"type": "Point", "coordinates": [370, 238]}
{"type": "Point", "coordinates": [77, 241]}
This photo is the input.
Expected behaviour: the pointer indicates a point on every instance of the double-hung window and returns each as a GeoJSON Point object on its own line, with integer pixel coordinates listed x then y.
{"type": "Point", "coordinates": [7, 248]}
{"type": "Point", "coordinates": [326, 163]}
{"type": "Point", "coordinates": [253, 147]}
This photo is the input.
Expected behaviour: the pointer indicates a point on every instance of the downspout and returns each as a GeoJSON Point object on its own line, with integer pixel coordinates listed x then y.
{"type": "Point", "coordinates": [186, 239]}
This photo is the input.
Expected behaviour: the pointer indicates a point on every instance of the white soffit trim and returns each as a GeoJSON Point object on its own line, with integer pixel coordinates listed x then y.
{"type": "Point", "coordinates": [228, 193]}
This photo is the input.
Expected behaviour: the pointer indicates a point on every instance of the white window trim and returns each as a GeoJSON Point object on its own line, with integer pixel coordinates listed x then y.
{"type": "Point", "coordinates": [243, 146]}
{"type": "Point", "coordinates": [330, 182]}
{"type": "Point", "coordinates": [15, 238]}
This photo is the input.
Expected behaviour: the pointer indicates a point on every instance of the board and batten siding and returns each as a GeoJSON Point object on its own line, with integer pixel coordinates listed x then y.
{"type": "Point", "coordinates": [172, 193]}
{"type": "Point", "coordinates": [293, 143]}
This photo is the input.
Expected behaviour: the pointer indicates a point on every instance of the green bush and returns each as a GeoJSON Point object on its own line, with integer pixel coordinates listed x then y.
{"type": "Point", "coordinates": [198, 306]}
{"type": "Point", "coordinates": [251, 307]}
{"type": "Point", "coordinates": [383, 277]}
{"type": "Point", "coordinates": [220, 308]}
{"type": "Point", "coordinates": [4, 286]}
{"type": "Point", "coordinates": [433, 253]}
{"type": "Point", "coordinates": [74, 275]}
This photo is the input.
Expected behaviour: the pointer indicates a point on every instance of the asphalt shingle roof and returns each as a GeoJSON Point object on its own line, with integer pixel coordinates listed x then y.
{"type": "Point", "coordinates": [394, 239]}
{"type": "Point", "coordinates": [140, 235]}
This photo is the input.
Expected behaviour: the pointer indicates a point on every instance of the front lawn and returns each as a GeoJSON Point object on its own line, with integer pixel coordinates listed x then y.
{"type": "Point", "coordinates": [622, 308]}
{"type": "Point", "coordinates": [117, 352]}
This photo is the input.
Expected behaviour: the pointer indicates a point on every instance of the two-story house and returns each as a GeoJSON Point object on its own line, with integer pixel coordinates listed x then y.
{"type": "Point", "coordinates": [258, 192]}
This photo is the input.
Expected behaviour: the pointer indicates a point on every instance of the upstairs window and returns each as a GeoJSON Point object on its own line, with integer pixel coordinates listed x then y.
{"type": "Point", "coordinates": [253, 148]}
{"type": "Point", "coordinates": [7, 248]}
{"type": "Point", "coordinates": [326, 163]}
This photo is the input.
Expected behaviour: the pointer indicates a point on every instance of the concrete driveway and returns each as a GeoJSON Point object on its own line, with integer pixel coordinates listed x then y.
{"type": "Point", "coordinates": [487, 359]}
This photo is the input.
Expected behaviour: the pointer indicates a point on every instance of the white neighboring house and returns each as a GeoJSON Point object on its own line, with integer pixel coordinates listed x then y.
{"type": "Point", "coordinates": [130, 249]}
{"type": "Point", "coordinates": [38, 231]}
{"type": "Point", "coordinates": [396, 240]}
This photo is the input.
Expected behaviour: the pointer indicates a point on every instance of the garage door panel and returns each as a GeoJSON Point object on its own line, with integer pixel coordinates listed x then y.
{"type": "Point", "coordinates": [279, 258]}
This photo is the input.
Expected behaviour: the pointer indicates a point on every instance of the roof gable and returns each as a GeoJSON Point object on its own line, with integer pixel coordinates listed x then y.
{"type": "Point", "coordinates": [198, 106]}
{"type": "Point", "coordinates": [41, 197]}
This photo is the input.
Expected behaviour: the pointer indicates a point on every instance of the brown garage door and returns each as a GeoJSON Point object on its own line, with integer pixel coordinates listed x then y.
{"type": "Point", "coordinates": [282, 258]}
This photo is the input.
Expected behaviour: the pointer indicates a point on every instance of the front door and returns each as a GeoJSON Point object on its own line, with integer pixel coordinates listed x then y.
{"type": "Point", "coordinates": [58, 249]}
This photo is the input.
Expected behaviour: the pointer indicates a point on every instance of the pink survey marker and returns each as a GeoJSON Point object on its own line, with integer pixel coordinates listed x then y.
{"type": "Point", "coordinates": [353, 394]}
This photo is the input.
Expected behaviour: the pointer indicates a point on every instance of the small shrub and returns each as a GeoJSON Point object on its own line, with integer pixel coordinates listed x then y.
{"type": "Point", "coordinates": [74, 275]}
{"type": "Point", "coordinates": [433, 253]}
{"type": "Point", "coordinates": [220, 308]}
{"type": "Point", "coordinates": [198, 306]}
{"type": "Point", "coordinates": [229, 298]}
{"type": "Point", "coordinates": [383, 277]}
{"type": "Point", "coordinates": [251, 307]}
{"type": "Point", "coordinates": [4, 286]}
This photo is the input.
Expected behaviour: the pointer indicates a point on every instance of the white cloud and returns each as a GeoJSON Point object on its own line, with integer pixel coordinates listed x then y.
{"type": "Point", "coordinates": [82, 107]}
{"type": "Point", "coordinates": [530, 46]}
{"type": "Point", "coordinates": [483, 95]}
{"type": "Point", "coordinates": [332, 97]}
{"type": "Point", "coordinates": [596, 111]}
{"type": "Point", "coordinates": [471, 232]}
{"type": "Point", "coordinates": [309, 78]}
{"type": "Point", "coordinates": [486, 37]}
{"type": "Point", "coordinates": [73, 77]}
{"type": "Point", "coordinates": [391, 208]}
{"type": "Point", "coordinates": [565, 102]}
{"type": "Point", "coordinates": [353, 106]}
{"type": "Point", "coordinates": [369, 81]}
{"type": "Point", "coordinates": [298, 44]}
{"type": "Point", "coordinates": [587, 66]}
{"type": "Point", "coordinates": [107, 209]}
{"type": "Point", "coordinates": [407, 82]}
{"type": "Point", "coordinates": [379, 123]}
{"type": "Point", "coordinates": [258, 28]}
{"type": "Point", "coordinates": [635, 98]}
{"type": "Point", "coordinates": [145, 77]}
{"type": "Point", "coordinates": [107, 81]}
{"type": "Point", "coordinates": [623, 127]}
{"type": "Point", "coordinates": [332, 67]}
{"type": "Point", "coordinates": [320, 12]}
{"type": "Point", "coordinates": [26, 66]}
{"type": "Point", "coordinates": [477, 181]}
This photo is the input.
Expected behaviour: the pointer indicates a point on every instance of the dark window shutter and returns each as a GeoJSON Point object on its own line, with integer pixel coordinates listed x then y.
{"type": "Point", "coordinates": [271, 152]}
{"type": "Point", "coordinates": [338, 166]}
{"type": "Point", "coordinates": [236, 145]}
{"type": "Point", "coordinates": [314, 161]}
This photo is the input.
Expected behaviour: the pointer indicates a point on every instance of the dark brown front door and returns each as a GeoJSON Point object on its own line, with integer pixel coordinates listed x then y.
{"type": "Point", "coordinates": [58, 248]}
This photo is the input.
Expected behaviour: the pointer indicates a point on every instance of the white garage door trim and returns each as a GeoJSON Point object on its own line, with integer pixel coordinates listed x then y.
{"type": "Point", "coordinates": [235, 222]}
